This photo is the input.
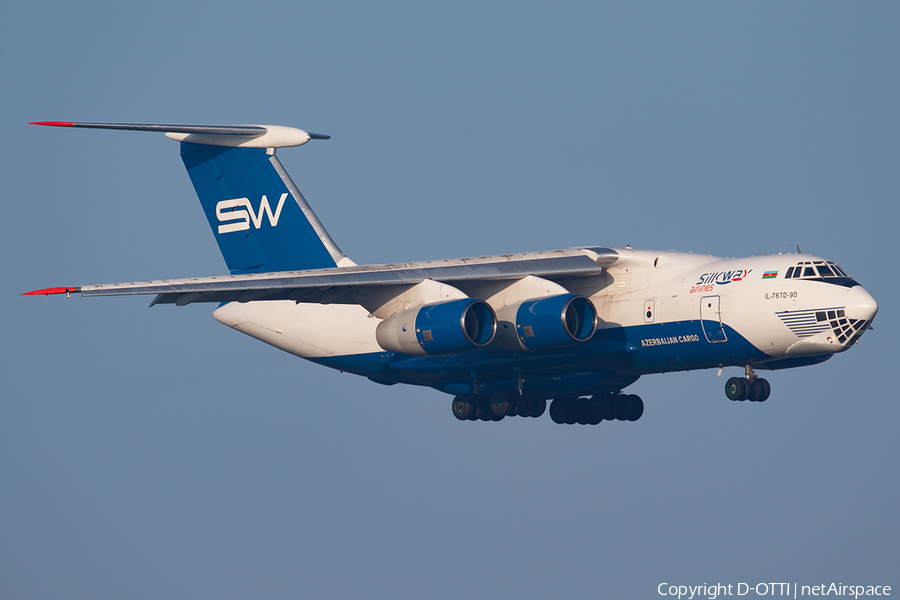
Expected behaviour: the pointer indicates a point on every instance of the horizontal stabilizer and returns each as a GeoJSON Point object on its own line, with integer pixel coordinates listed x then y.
{"type": "Point", "coordinates": [235, 136]}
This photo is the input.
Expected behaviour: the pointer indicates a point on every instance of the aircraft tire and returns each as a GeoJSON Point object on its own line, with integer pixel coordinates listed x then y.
{"type": "Point", "coordinates": [760, 390]}
{"type": "Point", "coordinates": [558, 411]}
{"type": "Point", "coordinates": [609, 407]}
{"type": "Point", "coordinates": [623, 408]}
{"type": "Point", "coordinates": [634, 407]}
{"type": "Point", "coordinates": [567, 411]}
{"type": "Point", "coordinates": [595, 410]}
{"type": "Point", "coordinates": [736, 388]}
{"type": "Point", "coordinates": [526, 406]}
{"type": "Point", "coordinates": [462, 407]}
{"type": "Point", "coordinates": [513, 409]}
{"type": "Point", "coordinates": [581, 412]}
{"type": "Point", "coordinates": [537, 407]}
{"type": "Point", "coordinates": [501, 403]}
{"type": "Point", "coordinates": [570, 410]}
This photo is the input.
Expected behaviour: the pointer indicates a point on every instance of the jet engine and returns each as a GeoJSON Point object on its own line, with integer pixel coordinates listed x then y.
{"type": "Point", "coordinates": [543, 323]}
{"type": "Point", "coordinates": [442, 328]}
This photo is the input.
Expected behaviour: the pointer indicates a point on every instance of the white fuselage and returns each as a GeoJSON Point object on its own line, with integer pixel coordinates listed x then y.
{"type": "Point", "coordinates": [749, 297]}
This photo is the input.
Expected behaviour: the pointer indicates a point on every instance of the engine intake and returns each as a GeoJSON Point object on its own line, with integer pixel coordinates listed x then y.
{"type": "Point", "coordinates": [442, 328]}
{"type": "Point", "coordinates": [550, 322]}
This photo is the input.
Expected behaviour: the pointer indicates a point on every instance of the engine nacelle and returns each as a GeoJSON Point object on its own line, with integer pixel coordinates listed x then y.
{"type": "Point", "coordinates": [441, 328]}
{"type": "Point", "coordinates": [543, 323]}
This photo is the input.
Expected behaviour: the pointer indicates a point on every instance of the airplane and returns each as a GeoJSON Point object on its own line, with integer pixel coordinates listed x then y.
{"type": "Point", "coordinates": [502, 334]}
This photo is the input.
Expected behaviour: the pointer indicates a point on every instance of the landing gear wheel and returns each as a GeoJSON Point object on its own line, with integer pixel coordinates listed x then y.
{"type": "Point", "coordinates": [581, 412]}
{"type": "Point", "coordinates": [562, 411]}
{"type": "Point", "coordinates": [736, 388]}
{"type": "Point", "coordinates": [554, 412]}
{"type": "Point", "coordinates": [537, 406]}
{"type": "Point", "coordinates": [463, 407]}
{"type": "Point", "coordinates": [484, 411]}
{"type": "Point", "coordinates": [595, 410]}
{"type": "Point", "coordinates": [634, 407]}
{"type": "Point", "coordinates": [480, 409]}
{"type": "Point", "coordinates": [620, 407]}
{"type": "Point", "coordinates": [502, 404]}
{"type": "Point", "coordinates": [760, 390]}
{"type": "Point", "coordinates": [609, 407]}
{"type": "Point", "coordinates": [575, 412]}
{"type": "Point", "coordinates": [524, 404]}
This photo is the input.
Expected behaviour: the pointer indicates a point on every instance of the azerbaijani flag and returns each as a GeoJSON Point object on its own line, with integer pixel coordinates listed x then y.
{"type": "Point", "coordinates": [770, 274]}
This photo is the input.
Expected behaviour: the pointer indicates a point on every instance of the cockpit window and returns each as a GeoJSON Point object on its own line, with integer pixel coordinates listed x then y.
{"type": "Point", "coordinates": [816, 270]}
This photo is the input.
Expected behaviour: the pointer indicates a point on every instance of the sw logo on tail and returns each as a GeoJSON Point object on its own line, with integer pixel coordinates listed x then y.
{"type": "Point", "coordinates": [246, 216]}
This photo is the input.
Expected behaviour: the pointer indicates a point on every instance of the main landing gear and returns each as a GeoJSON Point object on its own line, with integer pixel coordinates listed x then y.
{"type": "Point", "coordinates": [752, 387]}
{"type": "Point", "coordinates": [584, 411]}
{"type": "Point", "coordinates": [467, 407]}
{"type": "Point", "coordinates": [590, 411]}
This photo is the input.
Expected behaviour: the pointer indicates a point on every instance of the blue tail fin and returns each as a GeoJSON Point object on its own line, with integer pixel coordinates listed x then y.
{"type": "Point", "coordinates": [258, 216]}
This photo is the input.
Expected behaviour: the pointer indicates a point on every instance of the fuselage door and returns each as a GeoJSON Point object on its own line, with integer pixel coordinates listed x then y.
{"type": "Point", "coordinates": [711, 317]}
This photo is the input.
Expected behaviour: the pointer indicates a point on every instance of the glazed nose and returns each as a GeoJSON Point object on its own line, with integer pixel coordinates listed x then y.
{"type": "Point", "coordinates": [860, 304]}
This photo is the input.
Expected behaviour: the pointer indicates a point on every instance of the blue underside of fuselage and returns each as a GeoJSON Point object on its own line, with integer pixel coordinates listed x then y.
{"type": "Point", "coordinates": [611, 360]}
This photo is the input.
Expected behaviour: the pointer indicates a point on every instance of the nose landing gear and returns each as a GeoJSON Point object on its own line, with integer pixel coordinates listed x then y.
{"type": "Point", "coordinates": [752, 387]}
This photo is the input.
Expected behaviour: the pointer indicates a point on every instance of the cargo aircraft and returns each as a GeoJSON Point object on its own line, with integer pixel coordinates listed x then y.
{"type": "Point", "coordinates": [501, 334]}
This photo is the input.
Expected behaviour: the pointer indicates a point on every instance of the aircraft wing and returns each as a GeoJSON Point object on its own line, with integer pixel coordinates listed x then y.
{"type": "Point", "coordinates": [351, 285]}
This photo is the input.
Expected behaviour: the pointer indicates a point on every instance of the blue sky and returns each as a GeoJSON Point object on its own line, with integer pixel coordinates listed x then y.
{"type": "Point", "coordinates": [155, 453]}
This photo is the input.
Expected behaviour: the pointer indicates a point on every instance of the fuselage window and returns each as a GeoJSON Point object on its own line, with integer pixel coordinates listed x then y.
{"type": "Point", "coordinates": [790, 273]}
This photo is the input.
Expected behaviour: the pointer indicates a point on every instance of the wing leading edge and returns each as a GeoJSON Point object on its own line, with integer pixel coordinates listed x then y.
{"type": "Point", "coordinates": [342, 284]}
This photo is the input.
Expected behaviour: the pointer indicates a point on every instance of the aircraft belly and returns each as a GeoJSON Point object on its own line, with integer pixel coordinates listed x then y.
{"type": "Point", "coordinates": [306, 330]}
{"type": "Point", "coordinates": [613, 357]}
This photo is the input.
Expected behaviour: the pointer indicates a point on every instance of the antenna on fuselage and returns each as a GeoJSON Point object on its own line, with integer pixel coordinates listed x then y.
{"type": "Point", "coordinates": [797, 246]}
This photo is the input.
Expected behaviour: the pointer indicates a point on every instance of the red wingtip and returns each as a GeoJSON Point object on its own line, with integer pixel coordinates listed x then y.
{"type": "Point", "coordinates": [56, 290]}
{"type": "Point", "coordinates": [53, 123]}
